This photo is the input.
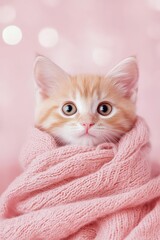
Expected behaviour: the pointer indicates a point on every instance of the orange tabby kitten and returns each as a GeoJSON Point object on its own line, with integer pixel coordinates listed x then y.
{"type": "Point", "coordinates": [85, 109]}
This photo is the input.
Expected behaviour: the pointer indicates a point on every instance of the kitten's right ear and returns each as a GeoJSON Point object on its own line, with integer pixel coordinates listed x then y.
{"type": "Point", "coordinates": [48, 76]}
{"type": "Point", "coordinates": [124, 77]}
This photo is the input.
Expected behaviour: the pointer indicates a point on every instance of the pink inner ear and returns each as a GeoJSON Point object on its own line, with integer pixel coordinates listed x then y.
{"type": "Point", "coordinates": [48, 76]}
{"type": "Point", "coordinates": [125, 76]}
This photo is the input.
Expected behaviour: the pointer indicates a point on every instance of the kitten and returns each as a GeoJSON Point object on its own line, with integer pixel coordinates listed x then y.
{"type": "Point", "coordinates": [85, 109]}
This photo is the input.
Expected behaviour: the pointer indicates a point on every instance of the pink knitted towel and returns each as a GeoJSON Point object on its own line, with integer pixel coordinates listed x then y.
{"type": "Point", "coordinates": [72, 192]}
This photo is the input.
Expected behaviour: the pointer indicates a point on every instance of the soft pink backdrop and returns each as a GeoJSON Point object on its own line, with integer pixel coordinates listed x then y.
{"type": "Point", "coordinates": [92, 36]}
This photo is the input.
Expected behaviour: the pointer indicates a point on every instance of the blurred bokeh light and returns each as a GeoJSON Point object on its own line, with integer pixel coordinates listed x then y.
{"type": "Point", "coordinates": [7, 13]}
{"type": "Point", "coordinates": [48, 37]}
{"type": "Point", "coordinates": [12, 35]}
{"type": "Point", "coordinates": [81, 36]}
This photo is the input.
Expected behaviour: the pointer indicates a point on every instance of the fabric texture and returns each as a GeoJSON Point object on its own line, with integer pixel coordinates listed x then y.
{"type": "Point", "coordinates": [83, 193]}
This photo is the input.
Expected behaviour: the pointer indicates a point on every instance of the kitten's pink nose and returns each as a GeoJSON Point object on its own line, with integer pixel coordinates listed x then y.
{"type": "Point", "coordinates": [87, 125]}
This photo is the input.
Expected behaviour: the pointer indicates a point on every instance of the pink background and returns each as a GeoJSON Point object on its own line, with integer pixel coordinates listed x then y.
{"type": "Point", "coordinates": [92, 36]}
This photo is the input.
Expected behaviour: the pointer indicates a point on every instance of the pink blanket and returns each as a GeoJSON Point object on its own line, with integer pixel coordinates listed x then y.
{"type": "Point", "coordinates": [72, 192]}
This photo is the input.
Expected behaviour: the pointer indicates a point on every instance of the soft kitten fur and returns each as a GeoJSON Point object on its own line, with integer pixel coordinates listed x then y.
{"type": "Point", "coordinates": [86, 127]}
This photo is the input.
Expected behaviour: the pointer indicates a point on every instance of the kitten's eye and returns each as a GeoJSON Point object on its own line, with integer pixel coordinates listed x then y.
{"type": "Point", "coordinates": [104, 108]}
{"type": "Point", "coordinates": [69, 109]}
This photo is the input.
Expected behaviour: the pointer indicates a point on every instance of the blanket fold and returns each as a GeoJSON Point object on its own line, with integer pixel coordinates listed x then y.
{"type": "Point", "coordinates": [83, 193]}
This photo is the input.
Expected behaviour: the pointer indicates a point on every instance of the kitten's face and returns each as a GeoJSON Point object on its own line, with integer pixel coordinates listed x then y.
{"type": "Point", "coordinates": [85, 109]}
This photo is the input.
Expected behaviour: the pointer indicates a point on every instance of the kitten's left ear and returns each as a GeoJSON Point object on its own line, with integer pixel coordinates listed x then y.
{"type": "Point", "coordinates": [125, 76]}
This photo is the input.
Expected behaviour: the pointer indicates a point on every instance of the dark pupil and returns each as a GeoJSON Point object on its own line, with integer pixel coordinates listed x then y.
{"type": "Point", "coordinates": [69, 108]}
{"type": "Point", "coordinates": [104, 108]}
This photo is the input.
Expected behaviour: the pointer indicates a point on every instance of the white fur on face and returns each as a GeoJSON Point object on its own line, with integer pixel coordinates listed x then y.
{"type": "Point", "coordinates": [73, 135]}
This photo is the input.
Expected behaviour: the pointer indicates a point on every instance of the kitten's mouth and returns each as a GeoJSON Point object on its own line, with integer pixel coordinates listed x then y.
{"type": "Point", "coordinates": [87, 134]}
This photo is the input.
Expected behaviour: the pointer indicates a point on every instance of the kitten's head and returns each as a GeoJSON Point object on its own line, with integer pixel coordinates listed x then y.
{"type": "Point", "coordinates": [85, 109]}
